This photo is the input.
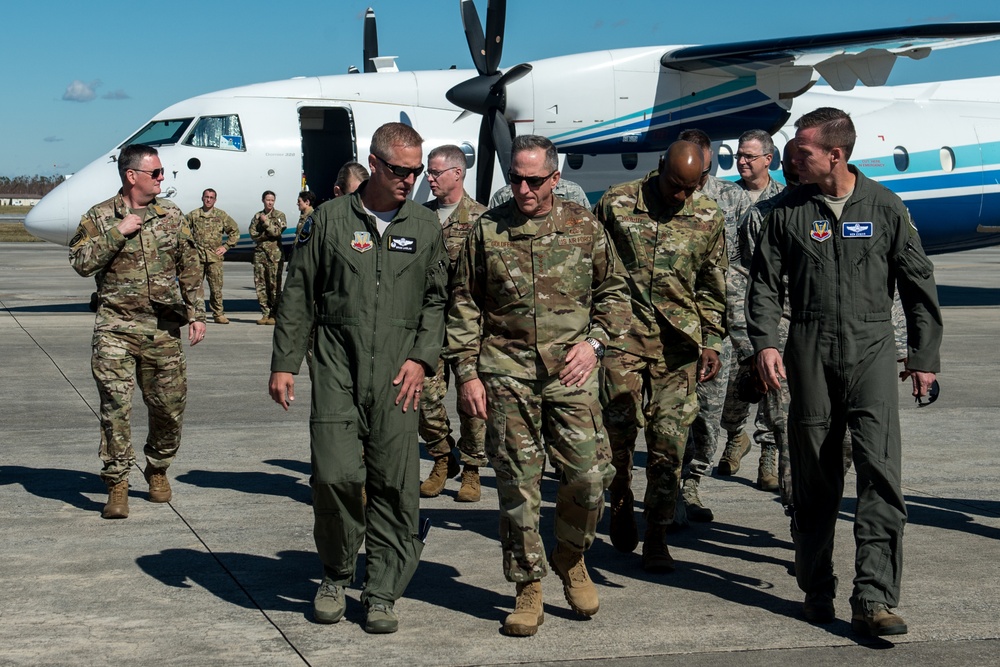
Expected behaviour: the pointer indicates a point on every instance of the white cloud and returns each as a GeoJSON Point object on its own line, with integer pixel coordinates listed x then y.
{"type": "Point", "coordinates": [78, 91]}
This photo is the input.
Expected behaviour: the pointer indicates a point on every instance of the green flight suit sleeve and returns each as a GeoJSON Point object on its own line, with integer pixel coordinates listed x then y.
{"type": "Point", "coordinates": [914, 275]}
{"type": "Point", "coordinates": [295, 317]}
{"type": "Point", "coordinates": [763, 297]}
{"type": "Point", "coordinates": [431, 329]}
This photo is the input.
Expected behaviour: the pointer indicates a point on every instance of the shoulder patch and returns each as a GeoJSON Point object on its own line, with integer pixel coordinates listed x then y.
{"type": "Point", "coordinates": [306, 232]}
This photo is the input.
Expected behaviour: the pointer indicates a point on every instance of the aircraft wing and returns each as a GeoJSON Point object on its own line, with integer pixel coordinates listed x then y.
{"type": "Point", "coordinates": [842, 59]}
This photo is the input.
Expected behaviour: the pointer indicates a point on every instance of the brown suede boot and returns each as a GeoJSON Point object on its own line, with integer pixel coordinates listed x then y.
{"type": "Point", "coordinates": [159, 485]}
{"type": "Point", "coordinates": [528, 614]}
{"type": "Point", "coordinates": [579, 590]}
{"type": "Point", "coordinates": [471, 490]}
{"type": "Point", "coordinates": [655, 555]}
{"type": "Point", "coordinates": [444, 467]}
{"type": "Point", "coordinates": [767, 469]}
{"type": "Point", "coordinates": [117, 506]}
{"type": "Point", "coordinates": [736, 449]}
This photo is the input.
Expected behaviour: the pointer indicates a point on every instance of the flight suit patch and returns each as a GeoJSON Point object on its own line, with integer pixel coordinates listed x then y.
{"type": "Point", "coordinates": [820, 230]}
{"type": "Point", "coordinates": [362, 241]}
{"type": "Point", "coordinates": [856, 230]}
{"type": "Point", "coordinates": [402, 244]}
{"type": "Point", "coordinates": [306, 231]}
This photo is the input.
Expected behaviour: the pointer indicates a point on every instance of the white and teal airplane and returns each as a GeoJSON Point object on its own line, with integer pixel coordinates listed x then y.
{"type": "Point", "coordinates": [610, 113]}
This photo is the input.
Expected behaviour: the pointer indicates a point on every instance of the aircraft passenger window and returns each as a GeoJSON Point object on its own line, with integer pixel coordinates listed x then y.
{"type": "Point", "coordinates": [574, 160]}
{"type": "Point", "coordinates": [218, 132]}
{"type": "Point", "coordinates": [947, 158]}
{"type": "Point", "coordinates": [902, 158]}
{"type": "Point", "coordinates": [726, 157]}
{"type": "Point", "coordinates": [160, 132]}
{"type": "Point", "coordinates": [630, 160]}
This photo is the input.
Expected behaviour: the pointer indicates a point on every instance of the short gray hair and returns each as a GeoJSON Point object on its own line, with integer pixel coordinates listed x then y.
{"type": "Point", "coordinates": [394, 134]}
{"type": "Point", "coordinates": [451, 154]}
{"type": "Point", "coordinates": [766, 142]}
{"type": "Point", "coordinates": [534, 142]}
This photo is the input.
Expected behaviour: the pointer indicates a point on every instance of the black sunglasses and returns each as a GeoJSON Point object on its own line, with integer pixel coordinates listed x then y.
{"type": "Point", "coordinates": [153, 173]}
{"type": "Point", "coordinates": [532, 181]}
{"type": "Point", "coordinates": [402, 172]}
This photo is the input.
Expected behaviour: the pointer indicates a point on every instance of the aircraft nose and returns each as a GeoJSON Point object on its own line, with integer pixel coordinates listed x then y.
{"type": "Point", "coordinates": [48, 218]}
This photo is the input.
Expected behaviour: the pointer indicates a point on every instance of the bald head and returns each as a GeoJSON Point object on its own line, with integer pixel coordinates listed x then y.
{"type": "Point", "coordinates": [680, 171]}
{"type": "Point", "coordinates": [788, 167]}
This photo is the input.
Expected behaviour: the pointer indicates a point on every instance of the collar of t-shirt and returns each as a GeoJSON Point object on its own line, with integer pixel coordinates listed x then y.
{"type": "Point", "coordinates": [836, 204]}
{"type": "Point", "coordinates": [444, 212]}
{"type": "Point", "coordinates": [382, 218]}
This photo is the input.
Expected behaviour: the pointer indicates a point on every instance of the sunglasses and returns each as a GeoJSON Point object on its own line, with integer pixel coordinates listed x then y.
{"type": "Point", "coordinates": [153, 173]}
{"type": "Point", "coordinates": [532, 181]}
{"type": "Point", "coordinates": [401, 172]}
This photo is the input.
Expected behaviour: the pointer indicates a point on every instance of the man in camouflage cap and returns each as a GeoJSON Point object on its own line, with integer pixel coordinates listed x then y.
{"type": "Point", "coordinates": [713, 395]}
{"type": "Point", "coordinates": [266, 228]}
{"type": "Point", "coordinates": [538, 294]}
{"type": "Point", "coordinates": [208, 225]}
{"type": "Point", "coordinates": [149, 272]}
{"type": "Point", "coordinates": [457, 212]}
{"type": "Point", "coordinates": [672, 243]}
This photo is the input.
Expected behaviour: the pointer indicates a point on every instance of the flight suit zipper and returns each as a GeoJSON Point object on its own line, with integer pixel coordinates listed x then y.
{"type": "Point", "coordinates": [378, 282]}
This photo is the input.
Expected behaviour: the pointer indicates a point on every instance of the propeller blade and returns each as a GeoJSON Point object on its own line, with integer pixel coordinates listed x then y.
{"type": "Point", "coordinates": [370, 41]}
{"type": "Point", "coordinates": [503, 139]}
{"type": "Point", "coordinates": [474, 35]}
{"type": "Point", "coordinates": [513, 74]}
{"type": "Point", "coordinates": [484, 163]}
{"type": "Point", "coordinates": [496, 13]}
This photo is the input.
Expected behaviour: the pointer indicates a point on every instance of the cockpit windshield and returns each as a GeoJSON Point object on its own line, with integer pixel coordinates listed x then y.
{"type": "Point", "coordinates": [222, 132]}
{"type": "Point", "coordinates": [160, 132]}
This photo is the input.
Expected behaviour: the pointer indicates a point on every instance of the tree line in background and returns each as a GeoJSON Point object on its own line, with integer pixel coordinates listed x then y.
{"type": "Point", "coordinates": [29, 185]}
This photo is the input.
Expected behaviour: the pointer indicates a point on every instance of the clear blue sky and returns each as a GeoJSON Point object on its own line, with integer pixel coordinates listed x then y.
{"type": "Point", "coordinates": [79, 77]}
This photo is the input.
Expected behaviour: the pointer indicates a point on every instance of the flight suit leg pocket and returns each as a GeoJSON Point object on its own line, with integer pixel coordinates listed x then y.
{"type": "Point", "coordinates": [336, 451]}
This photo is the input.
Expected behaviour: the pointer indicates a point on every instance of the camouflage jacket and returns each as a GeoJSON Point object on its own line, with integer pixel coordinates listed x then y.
{"type": "Point", "coordinates": [147, 282]}
{"type": "Point", "coordinates": [208, 230]}
{"type": "Point", "coordinates": [303, 216]}
{"type": "Point", "coordinates": [676, 263]}
{"type": "Point", "coordinates": [568, 190]}
{"type": "Point", "coordinates": [267, 234]}
{"type": "Point", "coordinates": [527, 290]}
{"type": "Point", "coordinates": [457, 226]}
{"type": "Point", "coordinates": [733, 202]}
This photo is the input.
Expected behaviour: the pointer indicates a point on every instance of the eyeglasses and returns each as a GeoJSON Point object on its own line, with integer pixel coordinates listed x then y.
{"type": "Point", "coordinates": [435, 174]}
{"type": "Point", "coordinates": [707, 169]}
{"type": "Point", "coordinates": [532, 181]}
{"type": "Point", "coordinates": [746, 157]}
{"type": "Point", "coordinates": [153, 173]}
{"type": "Point", "coordinates": [401, 172]}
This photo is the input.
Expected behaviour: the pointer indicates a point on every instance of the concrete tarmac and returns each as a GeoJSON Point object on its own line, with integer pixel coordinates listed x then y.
{"type": "Point", "coordinates": [226, 572]}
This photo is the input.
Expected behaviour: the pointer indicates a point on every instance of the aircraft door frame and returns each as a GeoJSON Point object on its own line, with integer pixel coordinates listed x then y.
{"type": "Point", "coordinates": [328, 140]}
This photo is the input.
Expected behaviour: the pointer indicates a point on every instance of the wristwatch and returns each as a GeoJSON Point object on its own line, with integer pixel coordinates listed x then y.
{"type": "Point", "coordinates": [598, 347]}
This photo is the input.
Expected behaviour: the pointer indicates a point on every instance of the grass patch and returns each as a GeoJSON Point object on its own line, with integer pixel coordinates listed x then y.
{"type": "Point", "coordinates": [4, 210]}
{"type": "Point", "coordinates": [15, 232]}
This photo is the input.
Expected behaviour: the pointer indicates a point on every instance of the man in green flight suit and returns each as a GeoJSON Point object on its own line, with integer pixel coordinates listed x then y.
{"type": "Point", "coordinates": [846, 244]}
{"type": "Point", "coordinates": [370, 272]}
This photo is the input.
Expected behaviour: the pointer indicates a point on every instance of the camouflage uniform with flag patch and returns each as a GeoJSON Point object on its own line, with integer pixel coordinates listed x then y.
{"type": "Point", "coordinates": [676, 264]}
{"type": "Point", "coordinates": [150, 286]}
{"type": "Point", "coordinates": [526, 291]}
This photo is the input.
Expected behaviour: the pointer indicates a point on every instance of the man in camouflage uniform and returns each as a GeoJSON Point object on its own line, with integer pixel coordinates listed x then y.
{"type": "Point", "coordinates": [565, 189]}
{"type": "Point", "coordinates": [149, 272]}
{"type": "Point", "coordinates": [457, 212]}
{"type": "Point", "coordinates": [538, 294]}
{"type": "Point", "coordinates": [208, 225]}
{"type": "Point", "coordinates": [753, 160]}
{"type": "Point", "coordinates": [672, 243]}
{"type": "Point", "coordinates": [266, 228]}
{"type": "Point", "coordinates": [703, 438]}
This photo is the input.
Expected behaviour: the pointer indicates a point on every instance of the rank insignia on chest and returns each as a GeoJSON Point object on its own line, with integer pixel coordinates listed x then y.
{"type": "Point", "coordinates": [820, 230]}
{"type": "Point", "coordinates": [402, 244]}
{"type": "Point", "coordinates": [362, 241]}
{"type": "Point", "coordinates": [856, 230]}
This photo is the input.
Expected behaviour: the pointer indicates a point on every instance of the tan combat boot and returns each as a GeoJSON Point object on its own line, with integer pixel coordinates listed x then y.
{"type": "Point", "coordinates": [221, 319]}
{"type": "Point", "coordinates": [696, 511]}
{"type": "Point", "coordinates": [579, 590]}
{"type": "Point", "coordinates": [767, 469]}
{"type": "Point", "coordinates": [263, 320]}
{"type": "Point", "coordinates": [875, 619]}
{"type": "Point", "coordinates": [117, 507]}
{"type": "Point", "coordinates": [444, 467]}
{"type": "Point", "coordinates": [528, 613]}
{"type": "Point", "coordinates": [159, 485]}
{"type": "Point", "coordinates": [736, 449]}
{"type": "Point", "coordinates": [655, 555]}
{"type": "Point", "coordinates": [471, 490]}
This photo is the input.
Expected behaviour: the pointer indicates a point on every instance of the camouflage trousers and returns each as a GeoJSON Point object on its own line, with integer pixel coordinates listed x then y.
{"type": "Point", "coordinates": [526, 419]}
{"type": "Point", "coordinates": [435, 427]}
{"type": "Point", "coordinates": [660, 395]}
{"type": "Point", "coordinates": [719, 408]}
{"type": "Point", "coordinates": [213, 275]}
{"type": "Point", "coordinates": [267, 280]}
{"type": "Point", "coordinates": [118, 360]}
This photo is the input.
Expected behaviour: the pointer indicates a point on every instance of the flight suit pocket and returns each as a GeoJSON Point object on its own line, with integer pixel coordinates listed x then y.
{"type": "Point", "coordinates": [336, 451]}
{"type": "Point", "coordinates": [914, 263]}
